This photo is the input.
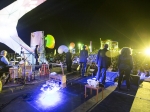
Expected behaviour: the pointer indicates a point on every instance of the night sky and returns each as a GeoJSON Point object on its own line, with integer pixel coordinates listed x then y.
{"type": "Point", "coordinates": [125, 21]}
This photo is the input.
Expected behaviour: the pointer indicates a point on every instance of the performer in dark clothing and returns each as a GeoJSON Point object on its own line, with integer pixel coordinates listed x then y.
{"type": "Point", "coordinates": [36, 54]}
{"type": "Point", "coordinates": [125, 65]}
{"type": "Point", "coordinates": [83, 60]}
{"type": "Point", "coordinates": [93, 66]}
{"type": "Point", "coordinates": [69, 61]}
{"type": "Point", "coordinates": [103, 62]}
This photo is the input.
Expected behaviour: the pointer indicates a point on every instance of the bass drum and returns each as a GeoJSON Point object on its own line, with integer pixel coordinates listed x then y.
{"type": "Point", "coordinates": [23, 63]}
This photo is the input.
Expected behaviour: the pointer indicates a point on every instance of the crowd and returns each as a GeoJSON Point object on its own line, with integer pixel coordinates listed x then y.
{"type": "Point", "coordinates": [124, 64]}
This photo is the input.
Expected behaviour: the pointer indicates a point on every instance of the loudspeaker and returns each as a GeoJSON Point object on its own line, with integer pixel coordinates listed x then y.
{"type": "Point", "coordinates": [135, 79]}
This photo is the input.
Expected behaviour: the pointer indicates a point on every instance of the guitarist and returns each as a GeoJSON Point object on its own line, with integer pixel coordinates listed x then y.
{"type": "Point", "coordinates": [36, 54]}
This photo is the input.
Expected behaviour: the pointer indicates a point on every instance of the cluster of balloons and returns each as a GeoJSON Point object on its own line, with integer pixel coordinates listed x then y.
{"type": "Point", "coordinates": [50, 43]}
{"type": "Point", "coordinates": [65, 49]}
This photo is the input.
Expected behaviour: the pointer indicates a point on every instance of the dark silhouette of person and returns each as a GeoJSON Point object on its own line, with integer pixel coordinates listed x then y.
{"type": "Point", "coordinates": [69, 61]}
{"type": "Point", "coordinates": [93, 66]}
{"type": "Point", "coordinates": [125, 65]}
{"type": "Point", "coordinates": [83, 60]}
{"type": "Point", "coordinates": [36, 54]}
{"type": "Point", "coordinates": [103, 62]}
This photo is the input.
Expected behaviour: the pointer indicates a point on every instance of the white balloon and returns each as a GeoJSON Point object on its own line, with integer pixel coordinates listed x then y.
{"type": "Point", "coordinates": [62, 49]}
{"type": "Point", "coordinates": [66, 49]}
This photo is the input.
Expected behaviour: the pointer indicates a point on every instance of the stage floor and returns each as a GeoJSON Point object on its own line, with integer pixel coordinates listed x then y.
{"type": "Point", "coordinates": [29, 97]}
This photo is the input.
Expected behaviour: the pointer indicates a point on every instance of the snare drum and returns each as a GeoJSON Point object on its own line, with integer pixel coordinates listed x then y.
{"type": "Point", "coordinates": [13, 63]}
{"type": "Point", "coordinates": [21, 63]}
{"type": "Point", "coordinates": [13, 73]}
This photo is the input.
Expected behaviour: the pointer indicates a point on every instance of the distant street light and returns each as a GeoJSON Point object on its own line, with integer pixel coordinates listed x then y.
{"type": "Point", "coordinates": [70, 47]}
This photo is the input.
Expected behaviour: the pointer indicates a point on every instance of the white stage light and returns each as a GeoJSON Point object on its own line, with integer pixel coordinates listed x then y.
{"type": "Point", "coordinates": [147, 51]}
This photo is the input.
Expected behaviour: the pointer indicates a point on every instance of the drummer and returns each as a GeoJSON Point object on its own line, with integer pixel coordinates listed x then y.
{"type": "Point", "coordinates": [4, 64]}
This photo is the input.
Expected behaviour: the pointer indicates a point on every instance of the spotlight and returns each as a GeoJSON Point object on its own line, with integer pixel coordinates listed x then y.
{"type": "Point", "coordinates": [147, 51]}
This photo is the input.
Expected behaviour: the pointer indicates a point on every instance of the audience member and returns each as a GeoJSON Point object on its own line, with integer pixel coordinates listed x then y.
{"type": "Point", "coordinates": [69, 61]}
{"type": "Point", "coordinates": [125, 65]}
{"type": "Point", "coordinates": [103, 62]}
{"type": "Point", "coordinates": [83, 60]}
{"type": "Point", "coordinates": [93, 66]}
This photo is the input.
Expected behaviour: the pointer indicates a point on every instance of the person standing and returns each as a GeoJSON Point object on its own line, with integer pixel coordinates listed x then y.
{"type": "Point", "coordinates": [83, 60]}
{"type": "Point", "coordinates": [36, 54]}
{"type": "Point", "coordinates": [125, 65]}
{"type": "Point", "coordinates": [103, 62]}
{"type": "Point", "coordinates": [69, 61]}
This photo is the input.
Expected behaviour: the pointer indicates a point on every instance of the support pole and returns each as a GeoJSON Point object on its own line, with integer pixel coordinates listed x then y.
{"type": "Point", "coordinates": [90, 46]}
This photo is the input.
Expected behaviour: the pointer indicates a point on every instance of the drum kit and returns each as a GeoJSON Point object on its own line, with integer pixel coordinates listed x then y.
{"type": "Point", "coordinates": [19, 71]}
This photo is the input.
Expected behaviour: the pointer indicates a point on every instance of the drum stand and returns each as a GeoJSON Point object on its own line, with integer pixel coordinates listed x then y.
{"type": "Point", "coordinates": [24, 72]}
{"type": "Point", "coordinates": [26, 69]}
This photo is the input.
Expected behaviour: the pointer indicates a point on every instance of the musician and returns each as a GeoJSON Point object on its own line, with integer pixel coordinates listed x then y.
{"type": "Point", "coordinates": [69, 61]}
{"type": "Point", "coordinates": [4, 64]}
{"type": "Point", "coordinates": [83, 60]}
{"type": "Point", "coordinates": [36, 54]}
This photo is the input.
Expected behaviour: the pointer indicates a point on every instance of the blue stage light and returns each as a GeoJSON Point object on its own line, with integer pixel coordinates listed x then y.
{"type": "Point", "coordinates": [49, 96]}
{"type": "Point", "coordinates": [48, 99]}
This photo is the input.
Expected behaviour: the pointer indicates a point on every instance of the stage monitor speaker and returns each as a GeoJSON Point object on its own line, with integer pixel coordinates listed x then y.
{"type": "Point", "coordinates": [135, 79]}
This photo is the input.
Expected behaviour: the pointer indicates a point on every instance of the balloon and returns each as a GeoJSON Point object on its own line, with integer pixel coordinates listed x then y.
{"type": "Point", "coordinates": [66, 49]}
{"type": "Point", "coordinates": [62, 49]}
{"type": "Point", "coordinates": [72, 45]}
{"type": "Point", "coordinates": [50, 41]}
